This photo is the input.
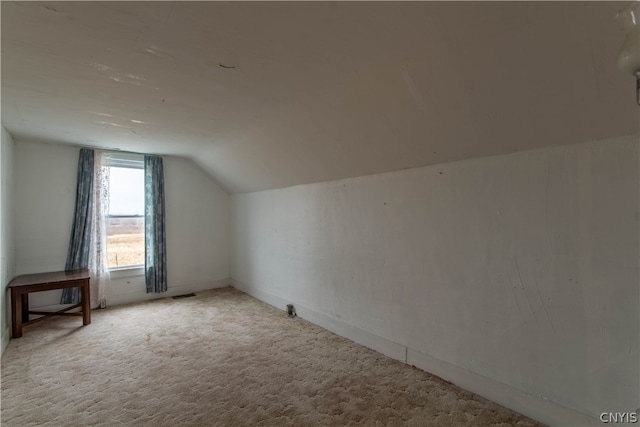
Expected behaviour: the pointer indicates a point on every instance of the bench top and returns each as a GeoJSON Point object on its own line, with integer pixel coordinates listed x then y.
{"type": "Point", "coordinates": [51, 277]}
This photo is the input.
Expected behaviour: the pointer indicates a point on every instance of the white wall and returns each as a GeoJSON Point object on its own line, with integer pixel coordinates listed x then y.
{"type": "Point", "coordinates": [516, 272]}
{"type": "Point", "coordinates": [198, 224]}
{"type": "Point", "coordinates": [7, 237]}
{"type": "Point", "coordinates": [198, 235]}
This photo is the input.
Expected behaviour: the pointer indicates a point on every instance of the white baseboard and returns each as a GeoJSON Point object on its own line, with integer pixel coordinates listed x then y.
{"type": "Point", "coordinates": [545, 411]}
{"type": "Point", "coordinates": [360, 336]}
{"type": "Point", "coordinates": [130, 298]}
{"type": "Point", "coordinates": [6, 336]}
{"type": "Point", "coordinates": [535, 407]}
{"type": "Point", "coordinates": [140, 296]}
{"type": "Point", "coordinates": [133, 297]}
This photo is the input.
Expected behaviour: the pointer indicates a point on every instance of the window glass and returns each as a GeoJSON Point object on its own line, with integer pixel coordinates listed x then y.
{"type": "Point", "coordinates": [125, 224]}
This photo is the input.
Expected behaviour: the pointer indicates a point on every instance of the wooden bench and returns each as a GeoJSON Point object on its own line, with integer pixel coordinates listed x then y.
{"type": "Point", "coordinates": [22, 286]}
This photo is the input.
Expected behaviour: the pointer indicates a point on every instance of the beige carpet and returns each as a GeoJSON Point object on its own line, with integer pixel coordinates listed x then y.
{"type": "Point", "coordinates": [219, 358]}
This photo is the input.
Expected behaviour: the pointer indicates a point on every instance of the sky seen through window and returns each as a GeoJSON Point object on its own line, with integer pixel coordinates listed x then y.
{"type": "Point", "coordinates": [126, 191]}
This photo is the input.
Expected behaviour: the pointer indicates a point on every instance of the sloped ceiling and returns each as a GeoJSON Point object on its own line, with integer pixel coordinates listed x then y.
{"type": "Point", "coordinates": [267, 95]}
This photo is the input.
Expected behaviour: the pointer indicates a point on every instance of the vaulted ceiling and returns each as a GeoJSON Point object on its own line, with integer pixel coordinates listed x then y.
{"type": "Point", "coordinates": [265, 95]}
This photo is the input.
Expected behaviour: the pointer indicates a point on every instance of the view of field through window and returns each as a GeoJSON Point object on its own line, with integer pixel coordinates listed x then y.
{"type": "Point", "coordinates": [125, 241]}
{"type": "Point", "coordinates": [125, 224]}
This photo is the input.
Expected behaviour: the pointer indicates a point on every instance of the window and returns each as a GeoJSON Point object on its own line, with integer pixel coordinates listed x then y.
{"type": "Point", "coordinates": [125, 223]}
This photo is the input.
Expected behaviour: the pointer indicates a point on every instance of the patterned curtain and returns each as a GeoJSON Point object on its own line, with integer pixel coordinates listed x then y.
{"type": "Point", "coordinates": [78, 253]}
{"type": "Point", "coordinates": [98, 260]}
{"type": "Point", "coordinates": [155, 235]}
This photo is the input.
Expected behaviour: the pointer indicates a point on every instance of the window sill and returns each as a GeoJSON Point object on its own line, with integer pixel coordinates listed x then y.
{"type": "Point", "coordinates": [120, 272]}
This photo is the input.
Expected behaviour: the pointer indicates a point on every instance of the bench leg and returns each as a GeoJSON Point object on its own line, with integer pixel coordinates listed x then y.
{"type": "Point", "coordinates": [25, 307]}
{"type": "Point", "coordinates": [86, 303]}
{"type": "Point", "coordinates": [16, 314]}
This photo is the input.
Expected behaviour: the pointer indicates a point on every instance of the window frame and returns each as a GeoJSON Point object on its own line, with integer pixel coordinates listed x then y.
{"type": "Point", "coordinates": [128, 161]}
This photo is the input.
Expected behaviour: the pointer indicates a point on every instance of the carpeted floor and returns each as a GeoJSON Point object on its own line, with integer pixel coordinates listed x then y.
{"type": "Point", "coordinates": [219, 358]}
